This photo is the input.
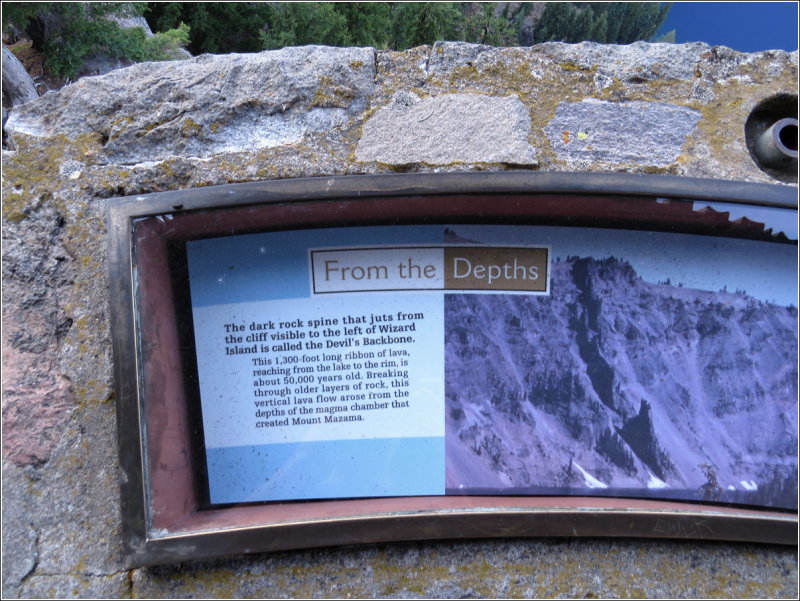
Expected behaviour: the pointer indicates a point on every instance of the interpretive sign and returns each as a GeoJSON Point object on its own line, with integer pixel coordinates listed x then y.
{"type": "Point", "coordinates": [308, 355]}
{"type": "Point", "coordinates": [479, 352]}
{"type": "Point", "coordinates": [339, 353]}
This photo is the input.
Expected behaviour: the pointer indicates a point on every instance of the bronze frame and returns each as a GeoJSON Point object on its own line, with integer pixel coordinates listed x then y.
{"type": "Point", "coordinates": [179, 529]}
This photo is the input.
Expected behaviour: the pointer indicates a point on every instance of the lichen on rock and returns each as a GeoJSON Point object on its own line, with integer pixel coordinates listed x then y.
{"type": "Point", "coordinates": [633, 133]}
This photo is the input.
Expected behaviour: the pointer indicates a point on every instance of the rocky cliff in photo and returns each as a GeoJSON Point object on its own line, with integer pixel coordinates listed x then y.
{"type": "Point", "coordinates": [614, 382]}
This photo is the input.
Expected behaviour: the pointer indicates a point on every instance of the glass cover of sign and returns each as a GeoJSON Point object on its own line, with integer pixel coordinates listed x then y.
{"type": "Point", "coordinates": [318, 350]}
{"type": "Point", "coordinates": [437, 359]}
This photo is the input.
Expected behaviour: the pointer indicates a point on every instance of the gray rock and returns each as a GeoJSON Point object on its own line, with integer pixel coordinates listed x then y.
{"type": "Point", "coordinates": [19, 532]}
{"type": "Point", "coordinates": [639, 133]}
{"type": "Point", "coordinates": [76, 586]}
{"type": "Point", "coordinates": [18, 87]}
{"type": "Point", "coordinates": [77, 515]}
{"type": "Point", "coordinates": [631, 63]}
{"type": "Point", "coordinates": [486, 569]}
{"type": "Point", "coordinates": [467, 128]}
{"type": "Point", "coordinates": [208, 105]}
{"type": "Point", "coordinates": [446, 56]}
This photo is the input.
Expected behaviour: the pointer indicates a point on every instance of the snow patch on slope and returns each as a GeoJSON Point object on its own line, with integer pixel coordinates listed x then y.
{"type": "Point", "coordinates": [655, 482]}
{"type": "Point", "coordinates": [589, 480]}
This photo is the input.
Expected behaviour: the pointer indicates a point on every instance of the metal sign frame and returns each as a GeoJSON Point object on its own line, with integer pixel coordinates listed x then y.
{"type": "Point", "coordinates": [165, 519]}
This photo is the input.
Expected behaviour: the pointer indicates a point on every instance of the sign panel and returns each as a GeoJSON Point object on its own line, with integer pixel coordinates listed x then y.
{"type": "Point", "coordinates": [575, 361]}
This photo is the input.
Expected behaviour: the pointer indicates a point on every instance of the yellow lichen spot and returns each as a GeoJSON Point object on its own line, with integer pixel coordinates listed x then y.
{"type": "Point", "coordinates": [356, 64]}
{"type": "Point", "coordinates": [166, 167]}
{"type": "Point", "coordinates": [80, 566]}
{"type": "Point", "coordinates": [572, 66]}
{"type": "Point", "coordinates": [330, 95]}
{"type": "Point", "coordinates": [13, 215]}
{"type": "Point", "coordinates": [32, 489]}
{"type": "Point", "coordinates": [189, 128]}
{"type": "Point", "coordinates": [33, 172]}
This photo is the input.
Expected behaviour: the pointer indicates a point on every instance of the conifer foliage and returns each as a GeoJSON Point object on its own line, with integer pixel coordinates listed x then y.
{"type": "Point", "coordinates": [68, 32]}
{"type": "Point", "coordinates": [252, 26]}
{"type": "Point", "coordinates": [604, 22]}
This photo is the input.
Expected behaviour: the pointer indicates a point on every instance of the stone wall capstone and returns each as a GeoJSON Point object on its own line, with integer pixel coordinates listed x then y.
{"type": "Point", "coordinates": [314, 111]}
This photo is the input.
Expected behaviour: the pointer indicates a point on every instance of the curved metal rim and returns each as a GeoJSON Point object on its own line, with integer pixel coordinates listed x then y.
{"type": "Point", "coordinates": [487, 182]}
{"type": "Point", "coordinates": [502, 522]}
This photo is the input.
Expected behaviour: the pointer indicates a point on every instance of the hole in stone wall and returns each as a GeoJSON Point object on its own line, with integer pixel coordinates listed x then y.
{"type": "Point", "coordinates": [771, 136]}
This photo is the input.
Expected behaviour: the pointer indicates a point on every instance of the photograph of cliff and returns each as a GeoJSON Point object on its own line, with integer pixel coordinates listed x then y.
{"type": "Point", "coordinates": [615, 386]}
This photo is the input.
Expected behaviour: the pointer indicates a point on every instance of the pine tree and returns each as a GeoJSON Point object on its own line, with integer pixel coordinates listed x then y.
{"type": "Point", "coordinates": [299, 24]}
{"type": "Point", "coordinates": [368, 24]}
{"type": "Point", "coordinates": [69, 32]}
{"type": "Point", "coordinates": [216, 27]}
{"type": "Point", "coordinates": [606, 22]}
{"type": "Point", "coordinates": [419, 23]}
{"type": "Point", "coordinates": [482, 24]}
{"type": "Point", "coordinates": [253, 26]}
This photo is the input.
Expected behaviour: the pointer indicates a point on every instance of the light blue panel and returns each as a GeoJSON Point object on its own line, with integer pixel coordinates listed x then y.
{"type": "Point", "coordinates": [388, 467]}
{"type": "Point", "coordinates": [274, 265]}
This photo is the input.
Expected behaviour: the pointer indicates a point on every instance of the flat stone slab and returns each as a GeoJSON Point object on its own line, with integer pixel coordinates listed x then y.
{"type": "Point", "coordinates": [450, 128]}
{"type": "Point", "coordinates": [630, 133]}
{"type": "Point", "coordinates": [208, 105]}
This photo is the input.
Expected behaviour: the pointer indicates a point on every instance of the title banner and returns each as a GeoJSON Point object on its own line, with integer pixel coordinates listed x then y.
{"type": "Point", "coordinates": [498, 269]}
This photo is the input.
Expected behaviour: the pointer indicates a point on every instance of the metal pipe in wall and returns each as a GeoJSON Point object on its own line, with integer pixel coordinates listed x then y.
{"type": "Point", "coordinates": [777, 146]}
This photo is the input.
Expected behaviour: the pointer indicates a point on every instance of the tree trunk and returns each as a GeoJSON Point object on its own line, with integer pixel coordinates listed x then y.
{"type": "Point", "coordinates": [18, 86]}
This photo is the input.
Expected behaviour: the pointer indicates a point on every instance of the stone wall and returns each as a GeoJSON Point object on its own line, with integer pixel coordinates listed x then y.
{"type": "Point", "coordinates": [644, 108]}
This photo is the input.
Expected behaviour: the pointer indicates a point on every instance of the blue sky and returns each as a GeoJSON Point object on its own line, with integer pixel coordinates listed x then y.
{"type": "Point", "coordinates": [743, 26]}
